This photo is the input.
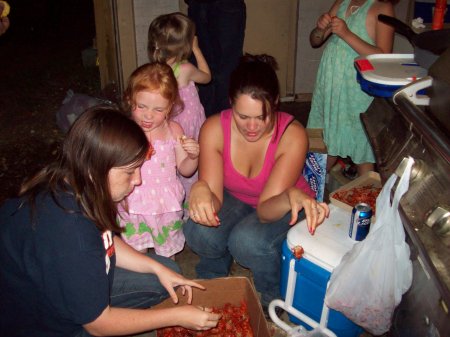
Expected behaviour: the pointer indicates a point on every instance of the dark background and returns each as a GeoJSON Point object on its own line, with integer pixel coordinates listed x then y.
{"type": "Point", "coordinates": [40, 60]}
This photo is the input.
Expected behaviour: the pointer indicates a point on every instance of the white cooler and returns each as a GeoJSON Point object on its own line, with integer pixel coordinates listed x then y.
{"type": "Point", "coordinates": [381, 75]}
{"type": "Point", "coordinates": [304, 281]}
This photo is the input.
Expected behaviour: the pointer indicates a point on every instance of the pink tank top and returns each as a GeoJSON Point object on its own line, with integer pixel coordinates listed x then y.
{"type": "Point", "coordinates": [246, 189]}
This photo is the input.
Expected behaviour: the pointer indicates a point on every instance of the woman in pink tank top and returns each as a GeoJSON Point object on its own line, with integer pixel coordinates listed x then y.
{"type": "Point", "coordinates": [250, 188]}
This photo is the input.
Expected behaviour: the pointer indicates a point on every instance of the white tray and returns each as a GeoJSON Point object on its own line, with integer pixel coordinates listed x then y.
{"type": "Point", "coordinates": [392, 69]}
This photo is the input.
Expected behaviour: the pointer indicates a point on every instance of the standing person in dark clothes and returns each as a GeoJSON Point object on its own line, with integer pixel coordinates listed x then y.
{"type": "Point", "coordinates": [220, 31]}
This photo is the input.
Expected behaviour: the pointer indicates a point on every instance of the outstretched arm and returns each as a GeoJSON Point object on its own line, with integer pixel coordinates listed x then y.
{"type": "Point", "coordinates": [128, 258]}
{"type": "Point", "coordinates": [122, 321]}
{"type": "Point", "coordinates": [206, 195]}
{"type": "Point", "coordinates": [280, 195]}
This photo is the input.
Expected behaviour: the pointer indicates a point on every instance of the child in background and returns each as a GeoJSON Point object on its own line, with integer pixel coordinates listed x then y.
{"type": "Point", "coordinates": [171, 40]}
{"type": "Point", "coordinates": [338, 99]}
{"type": "Point", "coordinates": [153, 217]}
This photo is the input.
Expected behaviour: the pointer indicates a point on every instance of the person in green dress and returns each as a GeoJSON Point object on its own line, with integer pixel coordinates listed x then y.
{"type": "Point", "coordinates": [351, 28]}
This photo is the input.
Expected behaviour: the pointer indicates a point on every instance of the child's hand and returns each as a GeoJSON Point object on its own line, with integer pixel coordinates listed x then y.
{"type": "Point", "coordinates": [191, 147]}
{"type": "Point", "coordinates": [324, 21]}
{"type": "Point", "coordinates": [339, 27]}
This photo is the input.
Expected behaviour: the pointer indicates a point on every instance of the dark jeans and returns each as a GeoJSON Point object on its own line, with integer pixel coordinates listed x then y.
{"type": "Point", "coordinates": [220, 30]}
{"type": "Point", "coordinates": [137, 290]}
{"type": "Point", "coordinates": [241, 236]}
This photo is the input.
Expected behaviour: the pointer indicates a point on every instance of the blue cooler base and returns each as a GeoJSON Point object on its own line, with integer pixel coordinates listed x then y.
{"type": "Point", "coordinates": [310, 288]}
{"type": "Point", "coordinates": [379, 90]}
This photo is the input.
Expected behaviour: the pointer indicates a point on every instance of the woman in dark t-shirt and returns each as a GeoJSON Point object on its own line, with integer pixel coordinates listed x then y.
{"type": "Point", "coordinates": [63, 272]}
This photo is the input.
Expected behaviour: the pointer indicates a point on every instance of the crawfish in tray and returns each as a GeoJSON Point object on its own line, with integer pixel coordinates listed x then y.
{"type": "Point", "coordinates": [235, 322]}
{"type": "Point", "coordinates": [367, 194]}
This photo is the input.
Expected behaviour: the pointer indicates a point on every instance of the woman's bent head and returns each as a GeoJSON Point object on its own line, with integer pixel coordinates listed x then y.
{"type": "Point", "coordinates": [255, 76]}
{"type": "Point", "coordinates": [100, 142]}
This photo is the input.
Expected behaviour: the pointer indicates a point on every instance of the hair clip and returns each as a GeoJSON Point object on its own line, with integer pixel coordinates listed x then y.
{"type": "Point", "coordinates": [150, 152]}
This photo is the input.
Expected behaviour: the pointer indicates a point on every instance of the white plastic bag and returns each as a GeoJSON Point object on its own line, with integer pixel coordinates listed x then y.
{"type": "Point", "coordinates": [372, 277]}
{"type": "Point", "coordinates": [73, 106]}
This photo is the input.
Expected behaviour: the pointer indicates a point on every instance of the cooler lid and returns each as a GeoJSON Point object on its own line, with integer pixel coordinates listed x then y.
{"type": "Point", "coordinates": [389, 69]}
{"type": "Point", "coordinates": [329, 243]}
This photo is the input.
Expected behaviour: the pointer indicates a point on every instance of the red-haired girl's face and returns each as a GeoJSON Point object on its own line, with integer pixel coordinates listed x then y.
{"type": "Point", "coordinates": [150, 110]}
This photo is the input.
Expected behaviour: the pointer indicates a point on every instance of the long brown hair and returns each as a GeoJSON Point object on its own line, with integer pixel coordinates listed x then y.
{"type": "Point", "coordinates": [100, 139]}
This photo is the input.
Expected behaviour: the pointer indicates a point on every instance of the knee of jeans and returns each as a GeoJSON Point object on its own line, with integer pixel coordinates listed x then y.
{"type": "Point", "coordinates": [246, 248]}
{"type": "Point", "coordinates": [189, 230]}
{"type": "Point", "coordinates": [173, 265]}
{"type": "Point", "coordinates": [202, 241]}
{"type": "Point", "coordinates": [169, 263]}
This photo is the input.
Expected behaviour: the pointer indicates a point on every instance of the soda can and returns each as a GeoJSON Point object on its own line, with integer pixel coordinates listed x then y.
{"type": "Point", "coordinates": [360, 221]}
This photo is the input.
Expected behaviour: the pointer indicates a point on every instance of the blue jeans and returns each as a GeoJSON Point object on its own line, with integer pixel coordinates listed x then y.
{"type": "Point", "coordinates": [220, 28]}
{"type": "Point", "coordinates": [137, 290]}
{"type": "Point", "coordinates": [241, 236]}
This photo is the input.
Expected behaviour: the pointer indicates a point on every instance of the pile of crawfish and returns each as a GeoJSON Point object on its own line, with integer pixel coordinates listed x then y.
{"type": "Point", "coordinates": [367, 194]}
{"type": "Point", "coordinates": [235, 322]}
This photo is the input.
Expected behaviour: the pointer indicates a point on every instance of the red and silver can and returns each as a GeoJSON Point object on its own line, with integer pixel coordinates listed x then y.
{"type": "Point", "coordinates": [360, 221]}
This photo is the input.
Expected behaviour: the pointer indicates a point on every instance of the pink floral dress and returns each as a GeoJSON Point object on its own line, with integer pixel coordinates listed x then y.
{"type": "Point", "coordinates": [155, 208]}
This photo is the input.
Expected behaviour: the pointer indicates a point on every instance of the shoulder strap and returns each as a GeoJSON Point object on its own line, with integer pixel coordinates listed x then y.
{"type": "Point", "coordinates": [176, 69]}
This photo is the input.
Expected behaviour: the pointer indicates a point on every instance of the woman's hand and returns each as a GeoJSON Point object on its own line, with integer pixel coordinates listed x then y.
{"type": "Point", "coordinates": [191, 147]}
{"type": "Point", "coordinates": [201, 205]}
{"type": "Point", "coordinates": [196, 317]}
{"type": "Point", "coordinates": [171, 280]}
{"type": "Point", "coordinates": [315, 212]}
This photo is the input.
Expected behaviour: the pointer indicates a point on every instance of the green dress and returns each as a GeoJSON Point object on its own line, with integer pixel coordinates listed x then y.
{"type": "Point", "coordinates": [338, 99]}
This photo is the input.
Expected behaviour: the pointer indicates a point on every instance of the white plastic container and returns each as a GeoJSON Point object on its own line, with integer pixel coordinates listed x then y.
{"type": "Point", "coordinates": [382, 74]}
